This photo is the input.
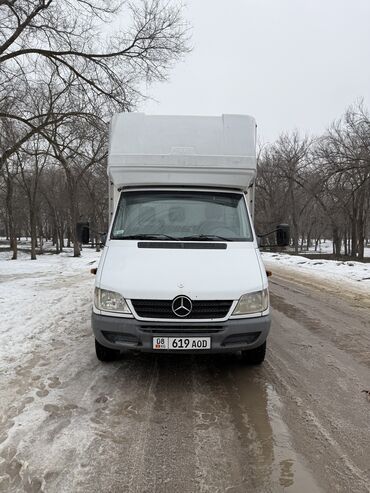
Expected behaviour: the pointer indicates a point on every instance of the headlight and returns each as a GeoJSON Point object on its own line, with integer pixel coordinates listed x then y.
{"type": "Point", "coordinates": [252, 303]}
{"type": "Point", "coordinates": [110, 301]}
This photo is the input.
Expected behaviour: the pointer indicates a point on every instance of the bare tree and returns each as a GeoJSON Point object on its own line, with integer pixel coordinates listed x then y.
{"type": "Point", "coordinates": [62, 62]}
{"type": "Point", "coordinates": [8, 173]}
{"type": "Point", "coordinates": [77, 147]}
{"type": "Point", "coordinates": [70, 37]}
{"type": "Point", "coordinates": [95, 185]}
{"type": "Point", "coordinates": [31, 160]}
{"type": "Point", "coordinates": [282, 167]}
{"type": "Point", "coordinates": [344, 155]}
{"type": "Point", "coordinates": [54, 205]}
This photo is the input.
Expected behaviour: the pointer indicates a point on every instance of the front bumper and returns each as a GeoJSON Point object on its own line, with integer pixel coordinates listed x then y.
{"type": "Point", "coordinates": [229, 336]}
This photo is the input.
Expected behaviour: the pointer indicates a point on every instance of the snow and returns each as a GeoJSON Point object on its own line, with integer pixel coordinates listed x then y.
{"type": "Point", "coordinates": [35, 295]}
{"type": "Point", "coordinates": [348, 272]}
{"type": "Point", "coordinates": [326, 247]}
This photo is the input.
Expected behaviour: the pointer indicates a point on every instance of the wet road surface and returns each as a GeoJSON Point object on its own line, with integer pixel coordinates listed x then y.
{"type": "Point", "coordinates": [157, 423]}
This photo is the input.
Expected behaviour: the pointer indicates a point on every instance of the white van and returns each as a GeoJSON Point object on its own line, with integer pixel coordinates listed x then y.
{"type": "Point", "coordinates": [181, 269]}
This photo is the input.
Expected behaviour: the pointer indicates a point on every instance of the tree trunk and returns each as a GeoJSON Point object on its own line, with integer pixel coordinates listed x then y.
{"type": "Point", "coordinates": [68, 237]}
{"type": "Point", "coordinates": [361, 235]}
{"type": "Point", "coordinates": [309, 239]}
{"type": "Point", "coordinates": [33, 229]}
{"type": "Point", "coordinates": [55, 237]}
{"type": "Point", "coordinates": [12, 233]}
{"type": "Point", "coordinates": [295, 241]}
{"type": "Point", "coordinates": [361, 225]}
{"type": "Point", "coordinates": [354, 232]}
{"type": "Point", "coordinates": [74, 221]}
{"type": "Point", "coordinates": [337, 242]}
{"type": "Point", "coordinates": [40, 236]}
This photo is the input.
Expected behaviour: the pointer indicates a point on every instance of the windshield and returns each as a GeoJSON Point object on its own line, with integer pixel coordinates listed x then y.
{"type": "Point", "coordinates": [182, 215]}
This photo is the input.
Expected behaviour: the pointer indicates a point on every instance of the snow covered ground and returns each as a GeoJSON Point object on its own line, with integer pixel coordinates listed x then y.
{"type": "Point", "coordinates": [326, 247]}
{"type": "Point", "coordinates": [35, 295]}
{"type": "Point", "coordinates": [71, 424]}
{"type": "Point", "coordinates": [355, 274]}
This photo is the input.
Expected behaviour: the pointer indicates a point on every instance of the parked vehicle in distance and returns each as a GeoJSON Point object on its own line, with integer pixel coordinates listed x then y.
{"type": "Point", "coordinates": [181, 270]}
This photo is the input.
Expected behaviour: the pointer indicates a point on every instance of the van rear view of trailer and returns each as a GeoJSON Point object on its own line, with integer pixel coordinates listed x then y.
{"type": "Point", "coordinates": [181, 270]}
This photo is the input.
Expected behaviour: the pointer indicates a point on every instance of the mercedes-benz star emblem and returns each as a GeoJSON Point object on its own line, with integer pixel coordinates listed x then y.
{"type": "Point", "coordinates": [182, 306]}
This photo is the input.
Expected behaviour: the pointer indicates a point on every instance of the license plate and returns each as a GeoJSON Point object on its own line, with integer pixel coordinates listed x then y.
{"type": "Point", "coordinates": [182, 343]}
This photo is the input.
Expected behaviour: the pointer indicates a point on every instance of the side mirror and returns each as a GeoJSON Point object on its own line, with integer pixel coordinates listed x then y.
{"type": "Point", "coordinates": [83, 233]}
{"type": "Point", "coordinates": [103, 239]}
{"type": "Point", "coordinates": [283, 235]}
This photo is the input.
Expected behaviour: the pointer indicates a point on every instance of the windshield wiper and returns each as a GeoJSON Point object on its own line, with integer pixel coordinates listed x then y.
{"type": "Point", "coordinates": [152, 236]}
{"type": "Point", "coordinates": [160, 236]}
{"type": "Point", "coordinates": [205, 238]}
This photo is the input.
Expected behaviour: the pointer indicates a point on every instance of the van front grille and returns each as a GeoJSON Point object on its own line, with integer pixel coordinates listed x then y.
{"type": "Point", "coordinates": [212, 309]}
{"type": "Point", "coordinates": [182, 329]}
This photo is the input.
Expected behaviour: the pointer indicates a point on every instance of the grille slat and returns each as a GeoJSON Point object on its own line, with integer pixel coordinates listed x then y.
{"type": "Point", "coordinates": [202, 309]}
{"type": "Point", "coordinates": [182, 329]}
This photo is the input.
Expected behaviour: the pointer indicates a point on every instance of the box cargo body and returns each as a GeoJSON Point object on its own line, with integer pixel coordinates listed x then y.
{"type": "Point", "coordinates": [181, 150]}
{"type": "Point", "coordinates": [181, 270]}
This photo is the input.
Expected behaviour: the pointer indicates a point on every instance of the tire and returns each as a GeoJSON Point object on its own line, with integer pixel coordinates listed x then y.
{"type": "Point", "coordinates": [104, 353]}
{"type": "Point", "coordinates": [255, 356]}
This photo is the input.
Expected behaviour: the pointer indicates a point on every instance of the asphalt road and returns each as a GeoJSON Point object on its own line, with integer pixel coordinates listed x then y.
{"type": "Point", "coordinates": [299, 423]}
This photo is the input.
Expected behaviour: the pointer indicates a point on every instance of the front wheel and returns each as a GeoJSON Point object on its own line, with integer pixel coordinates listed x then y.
{"type": "Point", "coordinates": [104, 353]}
{"type": "Point", "coordinates": [255, 356]}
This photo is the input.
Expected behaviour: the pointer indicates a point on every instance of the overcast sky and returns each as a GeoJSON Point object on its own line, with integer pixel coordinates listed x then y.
{"type": "Point", "coordinates": [290, 63]}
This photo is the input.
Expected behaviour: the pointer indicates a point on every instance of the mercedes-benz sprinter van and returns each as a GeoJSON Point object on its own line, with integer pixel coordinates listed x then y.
{"type": "Point", "coordinates": [181, 270]}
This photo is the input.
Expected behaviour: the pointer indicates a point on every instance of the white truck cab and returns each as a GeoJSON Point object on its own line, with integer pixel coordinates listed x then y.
{"type": "Point", "coordinates": [181, 269]}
